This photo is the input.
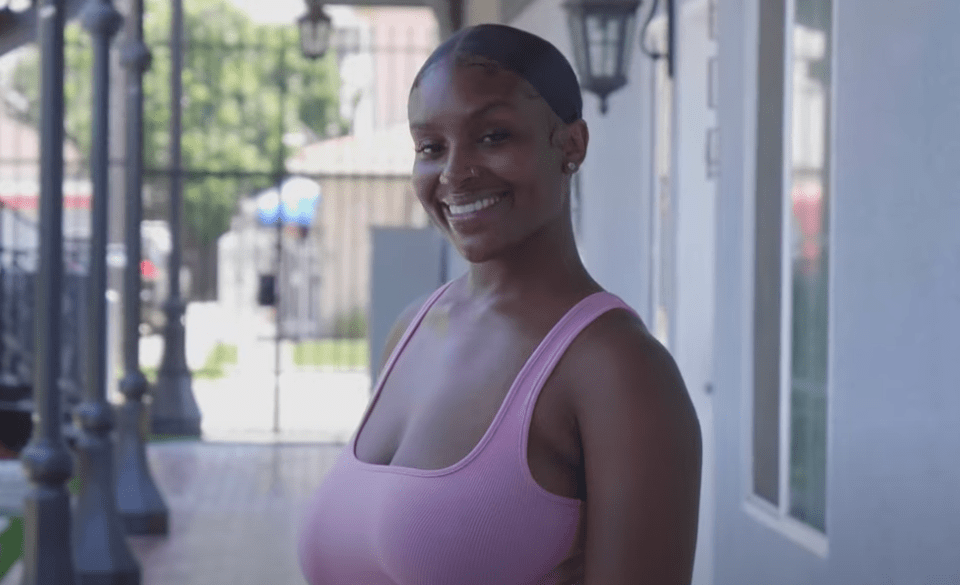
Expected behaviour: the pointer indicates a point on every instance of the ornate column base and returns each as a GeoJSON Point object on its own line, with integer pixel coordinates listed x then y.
{"type": "Point", "coordinates": [100, 552]}
{"type": "Point", "coordinates": [47, 554]}
{"type": "Point", "coordinates": [139, 503]}
{"type": "Point", "coordinates": [174, 409]}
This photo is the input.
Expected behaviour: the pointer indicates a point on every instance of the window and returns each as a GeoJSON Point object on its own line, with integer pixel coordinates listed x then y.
{"type": "Point", "coordinates": [792, 260]}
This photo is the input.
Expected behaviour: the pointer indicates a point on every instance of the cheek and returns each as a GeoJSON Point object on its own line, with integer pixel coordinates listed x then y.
{"type": "Point", "coordinates": [531, 172]}
{"type": "Point", "coordinates": [519, 168]}
{"type": "Point", "coordinates": [423, 189]}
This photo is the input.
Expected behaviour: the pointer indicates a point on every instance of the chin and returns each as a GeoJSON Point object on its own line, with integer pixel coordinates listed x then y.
{"type": "Point", "coordinates": [477, 252]}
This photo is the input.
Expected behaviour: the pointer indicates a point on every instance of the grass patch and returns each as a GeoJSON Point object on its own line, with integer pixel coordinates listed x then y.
{"type": "Point", "coordinates": [339, 353]}
{"type": "Point", "coordinates": [11, 545]}
{"type": "Point", "coordinates": [221, 355]}
{"type": "Point", "coordinates": [150, 373]}
{"type": "Point", "coordinates": [11, 540]}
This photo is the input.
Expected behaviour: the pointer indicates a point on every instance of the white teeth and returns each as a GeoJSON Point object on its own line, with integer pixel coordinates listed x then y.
{"type": "Point", "coordinates": [472, 207]}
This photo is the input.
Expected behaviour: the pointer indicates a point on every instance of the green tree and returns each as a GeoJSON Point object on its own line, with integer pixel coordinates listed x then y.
{"type": "Point", "coordinates": [245, 85]}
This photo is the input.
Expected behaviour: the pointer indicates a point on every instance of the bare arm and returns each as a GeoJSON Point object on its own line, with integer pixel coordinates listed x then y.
{"type": "Point", "coordinates": [642, 456]}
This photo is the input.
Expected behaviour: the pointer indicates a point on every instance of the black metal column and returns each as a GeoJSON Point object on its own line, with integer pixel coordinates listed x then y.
{"type": "Point", "coordinates": [278, 306]}
{"type": "Point", "coordinates": [101, 555]}
{"type": "Point", "coordinates": [174, 410]}
{"type": "Point", "coordinates": [139, 502]}
{"type": "Point", "coordinates": [47, 552]}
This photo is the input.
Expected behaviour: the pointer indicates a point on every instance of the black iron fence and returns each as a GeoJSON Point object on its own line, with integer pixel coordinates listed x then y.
{"type": "Point", "coordinates": [256, 112]}
{"type": "Point", "coordinates": [18, 277]}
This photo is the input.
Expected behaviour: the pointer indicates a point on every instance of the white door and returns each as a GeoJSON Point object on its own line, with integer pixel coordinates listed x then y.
{"type": "Point", "coordinates": [684, 228]}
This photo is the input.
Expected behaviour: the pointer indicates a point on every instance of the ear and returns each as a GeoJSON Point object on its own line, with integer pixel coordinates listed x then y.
{"type": "Point", "coordinates": [572, 140]}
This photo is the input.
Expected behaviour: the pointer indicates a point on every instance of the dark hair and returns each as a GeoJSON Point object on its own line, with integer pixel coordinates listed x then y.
{"type": "Point", "coordinates": [532, 58]}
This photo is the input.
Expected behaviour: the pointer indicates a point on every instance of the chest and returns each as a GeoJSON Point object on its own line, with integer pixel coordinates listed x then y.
{"type": "Point", "coordinates": [447, 387]}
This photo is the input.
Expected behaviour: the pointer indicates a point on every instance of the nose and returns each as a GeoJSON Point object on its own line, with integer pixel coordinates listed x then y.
{"type": "Point", "coordinates": [459, 167]}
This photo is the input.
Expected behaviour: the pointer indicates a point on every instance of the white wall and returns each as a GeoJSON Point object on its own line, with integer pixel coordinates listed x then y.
{"type": "Point", "coordinates": [893, 515]}
{"type": "Point", "coordinates": [617, 211]}
{"type": "Point", "coordinates": [616, 174]}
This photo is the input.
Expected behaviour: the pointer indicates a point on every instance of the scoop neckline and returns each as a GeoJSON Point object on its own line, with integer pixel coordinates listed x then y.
{"type": "Point", "coordinates": [501, 410]}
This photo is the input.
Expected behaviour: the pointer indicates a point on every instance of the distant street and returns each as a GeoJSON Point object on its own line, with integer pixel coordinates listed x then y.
{"type": "Point", "coordinates": [315, 404]}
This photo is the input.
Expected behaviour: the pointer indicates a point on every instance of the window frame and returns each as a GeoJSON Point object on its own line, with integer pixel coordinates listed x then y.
{"type": "Point", "coordinates": [777, 517]}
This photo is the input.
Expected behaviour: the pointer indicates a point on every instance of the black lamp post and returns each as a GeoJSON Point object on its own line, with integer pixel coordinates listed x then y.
{"type": "Point", "coordinates": [47, 550]}
{"type": "Point", "coordinates": [174, 409]}
{"type": "Point", "coordinates": [101, 554]}
{"type": "Point", "coordinates": [315, 28]}
{"type": "Point", "coordinates": [139, 502]}
{"type": "Point", "coordinates": [602, 32]}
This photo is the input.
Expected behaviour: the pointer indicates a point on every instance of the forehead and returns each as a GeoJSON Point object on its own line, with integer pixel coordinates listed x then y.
{"type": "Point", "coordinates": [451, 89]}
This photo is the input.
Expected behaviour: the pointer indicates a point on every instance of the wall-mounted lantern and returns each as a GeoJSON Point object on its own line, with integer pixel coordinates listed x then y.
{"type": "Point", "coordinates": [602, 32]}
{"type": "Point", "coordinates": [315, 28]}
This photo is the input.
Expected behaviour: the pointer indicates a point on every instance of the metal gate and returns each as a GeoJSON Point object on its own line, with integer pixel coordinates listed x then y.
{"type": "Point", "coordinates": [293, 297]}
{"type": "Point", "coordinates": [256, 114]}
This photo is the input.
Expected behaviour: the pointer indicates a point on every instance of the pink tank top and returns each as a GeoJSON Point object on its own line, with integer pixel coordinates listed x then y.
{"type": "Point", "coordinates": [481, 521]}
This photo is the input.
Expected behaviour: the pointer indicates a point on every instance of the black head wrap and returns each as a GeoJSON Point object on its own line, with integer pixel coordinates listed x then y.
{"type": "Point", "coordinates": [529, 56]}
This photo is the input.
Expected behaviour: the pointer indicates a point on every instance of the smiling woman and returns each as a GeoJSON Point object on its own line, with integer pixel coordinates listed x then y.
{"type": "Point", "coordinates": [525, 428]}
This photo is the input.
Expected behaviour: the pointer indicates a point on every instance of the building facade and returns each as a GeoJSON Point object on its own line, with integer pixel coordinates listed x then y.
{"type": "Point", "coordinates": [783, 212]}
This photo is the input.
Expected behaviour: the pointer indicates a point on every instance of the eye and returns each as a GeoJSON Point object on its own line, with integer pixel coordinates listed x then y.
{"type": "Point", "coordinates": [494, 137]}
{"type": "Point", "coordinates": [427, 148]}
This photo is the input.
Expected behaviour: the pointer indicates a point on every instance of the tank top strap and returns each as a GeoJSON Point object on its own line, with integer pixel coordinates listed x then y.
{"type": "Point", "coordinates": [411, 328]}
{"type": "Point", "coordinates": [555, 344]}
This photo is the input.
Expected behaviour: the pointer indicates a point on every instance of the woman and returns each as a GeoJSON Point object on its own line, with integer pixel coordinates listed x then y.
{"type": "Point", "coordinates": [526, 428]}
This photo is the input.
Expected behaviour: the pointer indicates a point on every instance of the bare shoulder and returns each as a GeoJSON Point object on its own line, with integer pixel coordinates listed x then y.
{"type": "Point", "coordinates": [616, 358]}
{"type": "Point", "coordinates": [641, 454]}
{"type": "Point", "coordinates": [400, 327]}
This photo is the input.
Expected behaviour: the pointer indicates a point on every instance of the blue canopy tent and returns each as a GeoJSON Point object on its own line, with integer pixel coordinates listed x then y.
{"type": "Point", "coordinates": [294, 204]}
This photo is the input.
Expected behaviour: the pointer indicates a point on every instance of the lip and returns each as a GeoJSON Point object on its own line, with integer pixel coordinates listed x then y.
{"type": "Point", "coordinates": [466, 199]}
{"type": "Point", "coordinates": [474, 218]}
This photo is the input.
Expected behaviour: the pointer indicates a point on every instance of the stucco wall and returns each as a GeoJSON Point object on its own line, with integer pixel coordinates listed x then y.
{"type": "Point", "coordinates": [893, 515]}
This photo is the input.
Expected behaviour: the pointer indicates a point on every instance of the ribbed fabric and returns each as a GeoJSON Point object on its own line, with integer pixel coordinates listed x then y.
{"type": "Point", "coordinates": [481, 521]}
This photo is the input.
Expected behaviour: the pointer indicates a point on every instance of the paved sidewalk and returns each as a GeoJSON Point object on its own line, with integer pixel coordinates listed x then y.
{"type": "Point", "coordinates": [234, 512]}
{"type": "Point", "coordinates": [235, 497]}
{"type": "Point", "coordinates": [314, 406]}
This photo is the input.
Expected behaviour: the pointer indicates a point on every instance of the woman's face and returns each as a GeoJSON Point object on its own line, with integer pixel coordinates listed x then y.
{"type": "Point", "coordinates": [486, 170]}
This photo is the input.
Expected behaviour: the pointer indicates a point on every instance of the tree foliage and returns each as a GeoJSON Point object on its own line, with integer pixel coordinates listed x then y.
{"type": "Point", "coordinates": [245, 85]}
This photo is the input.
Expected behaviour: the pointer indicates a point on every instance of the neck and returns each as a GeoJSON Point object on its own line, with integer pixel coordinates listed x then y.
{"type": "Point", "coordinates": [546, 265]}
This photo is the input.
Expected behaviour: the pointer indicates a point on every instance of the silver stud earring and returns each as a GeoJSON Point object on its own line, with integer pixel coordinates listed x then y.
{"type": "Point", "coordinates": [571, 166]}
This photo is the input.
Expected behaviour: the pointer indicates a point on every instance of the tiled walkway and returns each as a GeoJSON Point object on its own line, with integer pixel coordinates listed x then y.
{"type": "Point", "coordinates": [235, 498]}
{"type": "Point", "coordinates": [234, 512]}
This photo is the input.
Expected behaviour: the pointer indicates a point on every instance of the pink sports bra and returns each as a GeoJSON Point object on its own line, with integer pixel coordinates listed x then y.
{"type": "Point", "coordinates": [481, 521]}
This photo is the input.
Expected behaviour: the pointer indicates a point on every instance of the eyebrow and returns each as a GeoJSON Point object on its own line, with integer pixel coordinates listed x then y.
{"type": "Point", "coordinates": [478, 113]}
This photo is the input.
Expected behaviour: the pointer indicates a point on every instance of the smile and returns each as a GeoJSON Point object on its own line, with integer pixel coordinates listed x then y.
{"type": "Point", "coordinates": [469, 208]}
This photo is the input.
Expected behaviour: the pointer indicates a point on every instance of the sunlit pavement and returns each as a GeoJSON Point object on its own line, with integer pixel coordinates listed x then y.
{"type": "Point", "coordinates": [313, 406]}
{"type": "Point", "coordinates": [234, 512]}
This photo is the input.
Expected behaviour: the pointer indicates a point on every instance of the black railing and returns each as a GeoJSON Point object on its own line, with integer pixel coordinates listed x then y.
{"type": "Point", "coordinates": [18, 276]}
